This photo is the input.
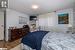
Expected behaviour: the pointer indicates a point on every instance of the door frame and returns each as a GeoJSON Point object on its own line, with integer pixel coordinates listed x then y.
{"type": "Point", "coordinates": [5, 24]}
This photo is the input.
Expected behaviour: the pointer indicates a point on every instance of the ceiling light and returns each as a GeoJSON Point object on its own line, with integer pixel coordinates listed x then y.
{"type": "Point", "coordinates": [34, 6]}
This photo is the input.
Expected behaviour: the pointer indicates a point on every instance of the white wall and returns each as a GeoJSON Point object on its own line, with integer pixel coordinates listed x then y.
{"type": "Point", "coordinates": [12, 19]}
{"type": "Point", "coordinates": [1, 25]}
{"type": "Point", "coordinates": [74, 17]}
{"type": "Point", "coordinates": [51, 19]}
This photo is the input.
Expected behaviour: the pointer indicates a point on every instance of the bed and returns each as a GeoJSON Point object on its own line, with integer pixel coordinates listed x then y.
{"type": "Point", "coordinates": [49, 40]}
{"type": "Point", "coordinates": [34, 39]}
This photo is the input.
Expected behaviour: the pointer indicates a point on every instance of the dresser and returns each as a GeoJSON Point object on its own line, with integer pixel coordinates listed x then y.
{"type": "Point", "coordinates": [17, 33]}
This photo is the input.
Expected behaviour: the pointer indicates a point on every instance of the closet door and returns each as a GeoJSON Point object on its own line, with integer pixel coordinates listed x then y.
{"type": "Point", "coordinates": [1, 25]}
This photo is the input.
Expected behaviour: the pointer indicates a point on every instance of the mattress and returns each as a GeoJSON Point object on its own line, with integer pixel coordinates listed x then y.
{"type": "Point", "coordinates": [56, 41]}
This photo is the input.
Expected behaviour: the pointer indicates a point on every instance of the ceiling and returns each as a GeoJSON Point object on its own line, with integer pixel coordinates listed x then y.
{"type": "Point", "coordinates": [45, 6]}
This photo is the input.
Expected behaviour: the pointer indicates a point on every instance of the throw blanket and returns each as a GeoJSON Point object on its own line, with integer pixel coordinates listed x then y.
{"type": "Point", "coordinates": [34, 39]}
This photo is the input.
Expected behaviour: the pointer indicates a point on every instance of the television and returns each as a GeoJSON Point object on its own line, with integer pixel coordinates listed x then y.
{"type": "Point", "coordinates": [32, 17]}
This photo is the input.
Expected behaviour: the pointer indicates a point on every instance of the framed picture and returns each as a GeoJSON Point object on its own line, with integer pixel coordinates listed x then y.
{"type": "Point", "coordinates": [63, 18]}
{"type": "Point", "coordinates": [22, 20]}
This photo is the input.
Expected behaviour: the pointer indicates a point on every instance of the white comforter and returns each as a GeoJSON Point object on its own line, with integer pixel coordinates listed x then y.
{"type": "Point", "coordinates": [57, 41]}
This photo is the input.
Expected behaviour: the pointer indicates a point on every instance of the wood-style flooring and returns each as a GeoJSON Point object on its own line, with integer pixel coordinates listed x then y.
{"type": "Point", "coordinates": [9, 45]}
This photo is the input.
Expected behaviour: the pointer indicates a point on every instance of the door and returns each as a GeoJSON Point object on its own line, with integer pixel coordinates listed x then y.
{"type": "Point", "coordinates": [1, 25]}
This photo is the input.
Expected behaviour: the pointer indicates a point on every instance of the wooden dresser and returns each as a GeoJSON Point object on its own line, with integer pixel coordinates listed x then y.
{"type": "Point", "coordinates": [17, 33]}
